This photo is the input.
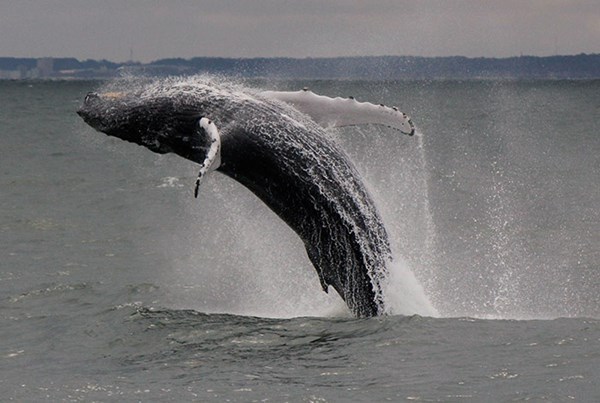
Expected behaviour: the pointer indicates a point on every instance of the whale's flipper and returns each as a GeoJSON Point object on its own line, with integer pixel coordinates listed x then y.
{"type": "Point", "coordinates": [339, 112]}
{"type": "Point", "coordinates": [207, 129]}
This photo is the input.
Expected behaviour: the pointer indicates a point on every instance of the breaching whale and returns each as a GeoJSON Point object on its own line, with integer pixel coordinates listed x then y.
{"type": "Point", "coordinates": [276, 144]}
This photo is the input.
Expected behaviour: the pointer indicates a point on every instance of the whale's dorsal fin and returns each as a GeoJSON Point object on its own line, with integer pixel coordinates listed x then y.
{"type": "Point", "coordinates": [213, 156]}
{"type": "Point", "coordinates": [339, 112]}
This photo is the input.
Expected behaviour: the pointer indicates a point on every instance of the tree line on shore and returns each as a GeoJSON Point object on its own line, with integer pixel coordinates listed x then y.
{"type": "Point", "coordinates": [368, 67]}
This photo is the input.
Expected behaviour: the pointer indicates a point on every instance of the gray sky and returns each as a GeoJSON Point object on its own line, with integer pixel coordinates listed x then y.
{"type": "Point", "coordinates": [156, 29]}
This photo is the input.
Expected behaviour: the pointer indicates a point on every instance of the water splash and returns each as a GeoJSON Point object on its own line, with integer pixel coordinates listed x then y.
{"type": "Point", "coordinates": [404, 294]}
{"type": "Point", "coordinates": [395, 171]}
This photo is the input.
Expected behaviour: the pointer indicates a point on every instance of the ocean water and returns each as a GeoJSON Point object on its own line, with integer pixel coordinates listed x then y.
{"type": "Point", "coordinates": [117, 285]}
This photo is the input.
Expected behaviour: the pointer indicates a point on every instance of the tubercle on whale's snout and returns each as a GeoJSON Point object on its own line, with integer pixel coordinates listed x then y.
{"type": "Point", "coordinates": [90, 96]}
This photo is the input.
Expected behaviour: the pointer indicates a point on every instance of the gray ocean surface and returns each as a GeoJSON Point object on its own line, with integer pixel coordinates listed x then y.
{"type": "Point", "coordinates": [117, 285]}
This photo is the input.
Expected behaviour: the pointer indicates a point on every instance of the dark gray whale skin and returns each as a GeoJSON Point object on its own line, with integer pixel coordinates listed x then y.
{"type": "Point", "coordinates": [281, 155]}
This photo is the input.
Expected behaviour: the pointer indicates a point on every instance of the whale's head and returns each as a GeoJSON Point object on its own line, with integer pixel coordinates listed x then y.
{"type": "Point", "coordinates": [160, 124]}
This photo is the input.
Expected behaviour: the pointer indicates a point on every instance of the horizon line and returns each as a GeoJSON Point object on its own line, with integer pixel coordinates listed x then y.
{"type": "Point", "coordinates": [304, 57]}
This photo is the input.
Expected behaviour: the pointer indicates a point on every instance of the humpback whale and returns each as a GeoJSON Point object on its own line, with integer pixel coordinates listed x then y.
{"type": "Point", "coordinates": [277, 145]}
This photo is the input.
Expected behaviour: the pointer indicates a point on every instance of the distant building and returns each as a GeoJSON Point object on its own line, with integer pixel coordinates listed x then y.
{"type": "Point", "coordinates": [45, 66]}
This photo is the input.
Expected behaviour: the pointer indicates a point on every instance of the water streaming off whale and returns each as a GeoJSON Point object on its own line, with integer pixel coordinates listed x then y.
{"type": "Point", "coordinates": [264, 141]}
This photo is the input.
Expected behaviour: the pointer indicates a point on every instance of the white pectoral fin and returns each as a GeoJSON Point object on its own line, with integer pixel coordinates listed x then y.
{"type": "Point", "coordinates": [339, 112]}
{"type": "Point", "coordinates": [207, 129]}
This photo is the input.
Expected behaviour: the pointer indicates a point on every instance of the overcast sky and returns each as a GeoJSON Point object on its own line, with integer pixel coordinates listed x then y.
{"type": "Point", "coordinates": [154, 29]}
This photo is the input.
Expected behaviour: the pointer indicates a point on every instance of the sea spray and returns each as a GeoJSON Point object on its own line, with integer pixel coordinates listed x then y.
{"type": "Point", "coordinates": [403, 293]}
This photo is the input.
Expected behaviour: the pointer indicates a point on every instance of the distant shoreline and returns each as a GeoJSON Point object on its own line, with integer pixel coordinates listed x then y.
{"type": "Point", "coordinates": [582, 66]}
